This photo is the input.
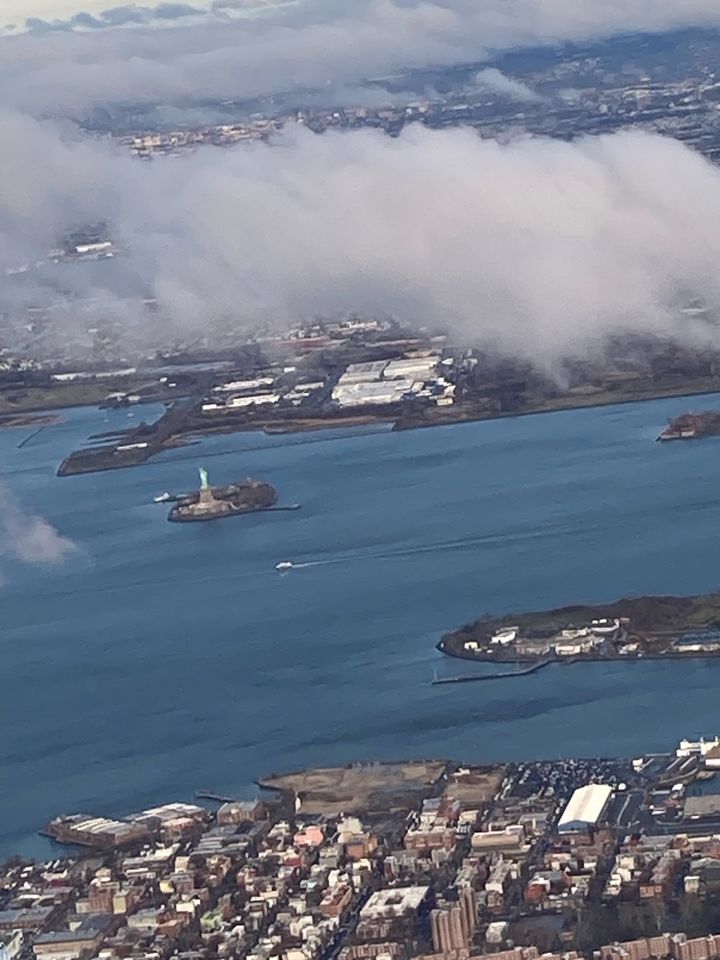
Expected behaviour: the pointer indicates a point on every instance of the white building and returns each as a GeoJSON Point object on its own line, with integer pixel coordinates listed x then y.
{"type": "Point", "coordinates": [394, 902]}
{"type": "Point", "coordinates": [585, 808]}
{"type": "Point", "coordinates": [690, 748]}
{"type": "Point", "coordinates": [257, 400]}
{"type": "Point", "coordinates": [566, 648]}
{"type": "Point", "coordinates": [361, 394]}
{"type": "Point", "coordinates": [363, 372]}
{"type": "Point", "coordinates": [89, 248]}
{"type": "Point", "coordinates": [236, 386]}
{"type": "Point", "coordinates": [420, 368]}
{"type": "Point", "coordinates": [93, 375]}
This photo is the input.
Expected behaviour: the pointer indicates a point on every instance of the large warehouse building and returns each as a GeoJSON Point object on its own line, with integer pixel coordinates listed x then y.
{"type": "Point", "coordinates": [585, 808]}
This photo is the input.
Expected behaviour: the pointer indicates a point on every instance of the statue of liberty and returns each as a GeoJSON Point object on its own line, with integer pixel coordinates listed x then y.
{"type": "Point", "coordinates": [206, 496]}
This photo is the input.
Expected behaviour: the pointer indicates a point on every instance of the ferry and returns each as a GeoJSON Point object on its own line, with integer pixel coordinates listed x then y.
{"type": "Point", "coordinates": [284, 565]}
{"type": "Point", "coordinates": [172, 497]}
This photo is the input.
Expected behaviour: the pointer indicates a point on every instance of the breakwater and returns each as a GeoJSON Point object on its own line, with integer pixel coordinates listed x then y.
{"type": "Point", "coordinates": [474, 677]}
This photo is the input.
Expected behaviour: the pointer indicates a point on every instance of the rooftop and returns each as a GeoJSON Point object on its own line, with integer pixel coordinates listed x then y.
{"type": "Point", "coordinates": [394, 902]}
{"type": "Point", "coordinates": [585, 806]}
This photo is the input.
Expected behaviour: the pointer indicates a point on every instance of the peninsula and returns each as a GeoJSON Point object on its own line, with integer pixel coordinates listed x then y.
{"type": "Point", "coordinates": [362, 372]}
{"type": "Point", "coordinates": [128, 448]}
{"type": "Point", "coordinates": [632, 628]}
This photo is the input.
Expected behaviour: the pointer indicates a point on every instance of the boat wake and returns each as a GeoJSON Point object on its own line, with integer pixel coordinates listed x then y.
{"type": "Point", "coordinates": [439, 546]}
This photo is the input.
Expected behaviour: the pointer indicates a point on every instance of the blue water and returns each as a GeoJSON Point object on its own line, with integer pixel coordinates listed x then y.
{"type": "Point", "coordinates": [162, 658]}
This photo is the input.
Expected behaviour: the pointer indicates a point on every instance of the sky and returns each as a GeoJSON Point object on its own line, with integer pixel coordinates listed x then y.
{"type": "Point", "coordinates": [16, 11]}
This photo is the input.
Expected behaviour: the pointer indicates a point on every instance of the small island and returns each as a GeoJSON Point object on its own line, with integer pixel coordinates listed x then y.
{"type": "Point", "coordinates": [692, 426]}
{"type": "Point", "coordinates": [213, 503]}
{"type": "Point", "coordinates": [632, 628]}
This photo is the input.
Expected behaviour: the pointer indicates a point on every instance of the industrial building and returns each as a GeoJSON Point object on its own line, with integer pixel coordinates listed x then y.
{"type": "Point", "coordinates": [236, 386]}
{"type": "Point", "coordinates": [358, 394]}
{"type": "Point", "coordinates": [96, 831]}
{"type": "Point", "coordinates": [585, 808]}
{"type": "Point", "coordinates": [256, 400]}
{"type": "Point", "coordinates": [363, 372]}
{"type": "Point", "coordinates": [381, 382]}
{"type": "Point", "coordinates": [419, 368]}
{"type": "Point", "coordinates": [169, 812]}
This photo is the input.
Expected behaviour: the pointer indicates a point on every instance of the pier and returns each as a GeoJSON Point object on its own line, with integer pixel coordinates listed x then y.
{"type": "Point", "coordinates": [215, 797]}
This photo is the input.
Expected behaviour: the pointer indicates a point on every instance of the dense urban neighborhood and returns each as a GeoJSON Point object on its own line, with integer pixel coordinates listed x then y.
{"type": "Point", "coordinates": [402, 860]}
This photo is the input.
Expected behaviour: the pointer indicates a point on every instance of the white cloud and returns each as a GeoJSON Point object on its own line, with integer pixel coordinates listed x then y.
{"type": "Point", "coordinates": [29, 538]}
{"type": "Point", "coordinates": [538, 246]}
{"type": "Point", "coordinates": [89, 14]}
{"type": "Point", "coordinates": [496, 82]}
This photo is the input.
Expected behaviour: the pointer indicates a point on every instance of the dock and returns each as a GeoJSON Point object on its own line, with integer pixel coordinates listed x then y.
{"type": "Point", "coordinates": [215, 797]}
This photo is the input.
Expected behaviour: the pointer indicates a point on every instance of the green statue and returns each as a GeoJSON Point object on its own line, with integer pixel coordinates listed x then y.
{"type": "Point", "coordinates": [203, 478]}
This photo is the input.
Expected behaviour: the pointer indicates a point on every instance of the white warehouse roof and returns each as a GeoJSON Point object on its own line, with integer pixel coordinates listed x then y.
{"type": "Point", "coordinates": [358, 394]}
{"type": "Point", "coordinates": [413, 366]}
{"type": "Point", "coordinates": [362, 372]}
{"type": "Point", "coordinates": [585, 807]}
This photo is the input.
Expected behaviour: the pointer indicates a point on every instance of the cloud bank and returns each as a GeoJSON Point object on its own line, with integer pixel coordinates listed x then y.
{"type": "Point", "coordinates": [536, 246]}
{"type": "Point", "coordinates": [233, 49]}
{"type": "Point", "coordinates": [540, 247]}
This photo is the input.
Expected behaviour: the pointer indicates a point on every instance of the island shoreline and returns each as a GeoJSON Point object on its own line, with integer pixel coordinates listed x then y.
{"type": "Point", "coordinates": [630, 629]}
{"type": "Point", "coordinates": [449, 419]}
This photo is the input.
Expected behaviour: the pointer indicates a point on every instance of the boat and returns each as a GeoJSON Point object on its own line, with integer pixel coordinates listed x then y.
{"type": "Point", "coordinates": [284, 565]}
{"type": "Point", "coordinates": [172, 497]}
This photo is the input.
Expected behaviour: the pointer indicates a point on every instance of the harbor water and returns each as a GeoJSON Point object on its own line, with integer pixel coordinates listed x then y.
{"type": "Point", "coordinates": [156, 659]}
